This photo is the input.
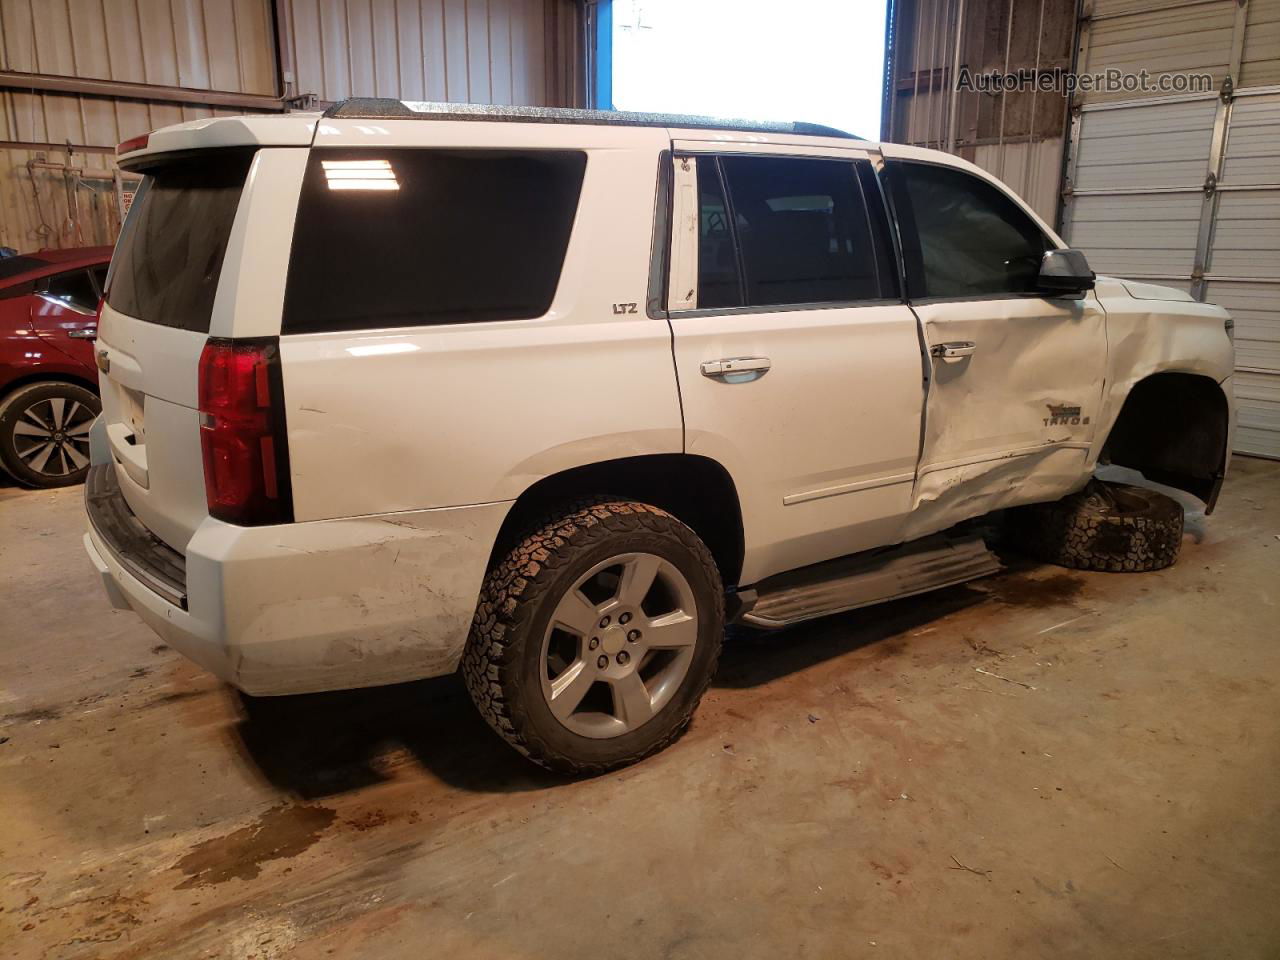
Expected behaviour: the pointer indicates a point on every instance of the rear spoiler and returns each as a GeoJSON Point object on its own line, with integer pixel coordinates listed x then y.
{"type": "Point", "coordinates": [292, 130]}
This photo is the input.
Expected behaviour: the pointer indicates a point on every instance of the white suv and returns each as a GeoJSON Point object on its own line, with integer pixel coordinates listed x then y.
{"type": "Point", "coordinates": [554, 395]}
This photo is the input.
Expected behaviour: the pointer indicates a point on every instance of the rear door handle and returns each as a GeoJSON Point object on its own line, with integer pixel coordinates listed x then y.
{"type": "Point", "coordinates": [954, 350]}
{"type": "Point", "coordinates": [736, 369]}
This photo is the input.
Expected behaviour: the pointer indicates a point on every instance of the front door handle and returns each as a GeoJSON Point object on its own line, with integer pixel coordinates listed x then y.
{"type": "Point", "coordinates": [954, 350]}
{"type": "Point", "coordinates": [736, 369]}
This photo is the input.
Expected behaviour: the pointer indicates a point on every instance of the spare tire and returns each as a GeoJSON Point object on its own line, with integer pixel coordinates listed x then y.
{"type": "Point", "coordinates": [1113, 527]}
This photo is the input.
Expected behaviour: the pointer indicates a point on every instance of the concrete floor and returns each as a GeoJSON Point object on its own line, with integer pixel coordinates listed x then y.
{"type": "Point", "coordinates": [857, 788]}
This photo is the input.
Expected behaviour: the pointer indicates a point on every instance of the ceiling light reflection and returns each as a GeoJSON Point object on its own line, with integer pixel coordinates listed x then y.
{"type": "Point", "coordinates": [359, 175]}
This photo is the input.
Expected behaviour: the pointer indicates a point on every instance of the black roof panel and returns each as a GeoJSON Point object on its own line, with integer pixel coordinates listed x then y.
{"type": "Point", "coordinates": [384, 108]}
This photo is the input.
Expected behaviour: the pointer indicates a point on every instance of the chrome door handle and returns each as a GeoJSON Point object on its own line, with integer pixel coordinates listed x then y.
{"type": "Point", "coordinates": [954, 350]}
{"type": "Point", "coordinates": [724, 369]}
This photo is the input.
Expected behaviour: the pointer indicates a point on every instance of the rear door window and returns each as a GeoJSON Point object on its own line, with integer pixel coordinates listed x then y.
{"type": "Point", "coordinates": [399, 238]}
{"type": "Point", "coordinates": [803, 231]}
{"type": "Point", "coordinates": [169, 256]}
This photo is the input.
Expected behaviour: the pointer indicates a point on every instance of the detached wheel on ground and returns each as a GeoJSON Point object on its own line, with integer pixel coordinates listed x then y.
{"type": "Point", "coordinates": [1112, 527]}
{"type": "Point", "coordinates": [44, 433]}
{"type": "Point", "coordinates": [596, 636]}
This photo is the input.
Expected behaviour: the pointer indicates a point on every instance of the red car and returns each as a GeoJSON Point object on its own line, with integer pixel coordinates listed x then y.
{"type": "Point", "coordinates": [48, 381]}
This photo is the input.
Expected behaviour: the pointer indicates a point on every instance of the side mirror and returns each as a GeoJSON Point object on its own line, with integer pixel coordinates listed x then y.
{"type": "Point", "coordinates": [1065, 273]}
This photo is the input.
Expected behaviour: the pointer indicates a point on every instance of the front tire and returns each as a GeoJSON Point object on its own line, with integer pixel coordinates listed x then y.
{"type": "Point", "coordinates": [44, 433]}
{"type": "Point", "coordinates": [1112, 527]}
{"type": "Point", "coordinates": [596, 636]}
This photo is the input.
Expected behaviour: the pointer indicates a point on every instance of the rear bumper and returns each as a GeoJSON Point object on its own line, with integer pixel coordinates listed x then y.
{"type": "Point", "coordinates": [321, 605]}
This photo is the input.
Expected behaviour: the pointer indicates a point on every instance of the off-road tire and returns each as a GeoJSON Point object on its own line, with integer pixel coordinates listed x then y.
{"type": "Point", "coordinates": [11, 410]}
{"type": "Point", "coordinates": [517, 599]}
{"type": "Point", "coordinates": [1112, 527]}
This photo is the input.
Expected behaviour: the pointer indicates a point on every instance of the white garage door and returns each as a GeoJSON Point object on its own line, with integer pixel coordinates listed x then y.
{"type": "Point", "coordinates": [1136, 207]}
{"type": "Point", "coordinates": [1185, 190]}
{"type": "Point", "coordinates": [1139, 187]}
{"type": "Point", "coordinates": [1243, 272]}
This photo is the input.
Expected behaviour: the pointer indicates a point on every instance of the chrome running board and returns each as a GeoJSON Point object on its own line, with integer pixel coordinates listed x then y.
{"type": "Point", "coordinates": [866, 578]}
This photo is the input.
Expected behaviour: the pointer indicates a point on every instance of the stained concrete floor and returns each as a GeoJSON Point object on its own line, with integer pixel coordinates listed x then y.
{"type": "Point", "coordinates": [1042, 764]}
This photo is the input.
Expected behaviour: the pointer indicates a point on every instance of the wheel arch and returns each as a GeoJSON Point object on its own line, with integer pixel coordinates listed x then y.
{"type": "Point", "coordinates": [696, 490]}
{"type": "Point", "coordinates": [45, 376]}
{"type": "Point", "coordinates": [1174, 428]}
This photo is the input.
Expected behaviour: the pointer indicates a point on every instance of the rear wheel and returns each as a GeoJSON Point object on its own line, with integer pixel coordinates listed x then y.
{"type": "Point", "coordinates": [596, 636]}
{"type": "Point", "coordinates": [44, 433]}
{"type": "Point", "coordinates": [1112, 527]}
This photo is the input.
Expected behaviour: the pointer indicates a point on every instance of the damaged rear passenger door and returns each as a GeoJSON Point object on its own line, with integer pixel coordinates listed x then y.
{"type": "Point", "coordinates": [1015, 377]}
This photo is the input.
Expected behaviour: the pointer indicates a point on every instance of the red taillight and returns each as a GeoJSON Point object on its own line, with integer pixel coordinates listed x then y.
{"type": "Point", "coordinates": [242, 432]}
{"type": "Point", "coordinates": [132, 144]}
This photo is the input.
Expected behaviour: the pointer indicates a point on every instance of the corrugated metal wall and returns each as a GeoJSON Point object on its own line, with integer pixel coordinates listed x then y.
{"type": "Point", "coordinates": [1185, 190]}
{"type": "Point", "coordinates": [483, 51]}
{"type": "Point", "coordinates": [480, 51]}
{"type": "Point", "coordinates": [206, 44]}
{"type": "Point", "coordinates": [1016, 136]}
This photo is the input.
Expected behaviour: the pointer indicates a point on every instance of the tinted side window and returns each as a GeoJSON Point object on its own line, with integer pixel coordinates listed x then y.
{"type": "Point", "coordinates": [718, 279]}
{"type": "Point", "coordinates": [169, 256]}
{"type": "Point", "coordinates": [12, 266]}
{"type": "Point", "coordinates": [802, 229]}
{"type": "Point", "coordinates": [99, 275]}
{"type": "Point", "coordinates": [973, 240]}
{"type": "Point", "coordinates": [75, 289]}
{"type": "Point", "coordinates": [397, 238]}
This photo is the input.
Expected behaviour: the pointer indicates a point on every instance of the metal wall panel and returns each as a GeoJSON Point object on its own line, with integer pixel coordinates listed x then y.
{"type": "Point", "coordinates": [479, 51]}
{"type": "Point", "coordinates": [225, 45]}
{"type": "Point", "coordinates": [1246, 236]}
{"type": "Point", "coordinates": [1017, 136]}
{"type": "Point", "coordinates": [58, 119]}
{"type": "Point", "coordinates": [1032, 170]}
{"type": "Point", "coordinates": [1137, 184]}
{"type": "Point", "coordinates": [1255, 307]}
{"type": "Point", "coordinates": [1260, 64]}
{"type": "Point", "coordinates": [1144, 235]}
{"type": "Point", "coordinates": [47, 202]}
{"type": "Point", "coordinates": [502, 51]}
{"type": "Point", "coordinates": [1170, 37]}
{"type": "Point", "coordinates": [1253, 141]}
{"type": "Point", "coordinates": [1188, 193]}
{"type": "Point", "coordinates": [1145, 146]}
{"type": "Point", "coordinates": [1246, 248]}
{"type": "Point", "coordinates": [1258, 414]}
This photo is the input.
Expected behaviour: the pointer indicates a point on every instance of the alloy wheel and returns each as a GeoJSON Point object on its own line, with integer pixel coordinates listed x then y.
{"type": "Point", "coordinates": [51, 437]}
{"type": "Point", "coordinates": [618, 645]}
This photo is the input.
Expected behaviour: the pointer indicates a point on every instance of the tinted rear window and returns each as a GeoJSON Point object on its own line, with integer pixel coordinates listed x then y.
{"type": "Point", "coordinates": [397, 238]}
{"type": "Point", "coordinates": [169, 256]}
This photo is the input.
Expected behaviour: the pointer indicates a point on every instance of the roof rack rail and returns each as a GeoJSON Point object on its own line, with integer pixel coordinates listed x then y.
{"type": "Point", "coordinates": [384, 108]}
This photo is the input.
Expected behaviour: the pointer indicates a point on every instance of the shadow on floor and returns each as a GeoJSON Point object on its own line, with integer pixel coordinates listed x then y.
{"type": "Point", "coordinates": [323, 744]}
{"type": "Point", "coordinates": [319, 745]}
{"type": "Point", "coordinates": [752, 658]}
